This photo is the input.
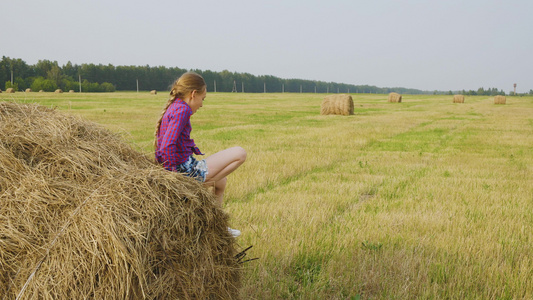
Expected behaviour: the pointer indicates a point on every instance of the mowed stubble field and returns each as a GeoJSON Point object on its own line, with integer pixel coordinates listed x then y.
{"type": "Point", "coordinates": [413, 200]}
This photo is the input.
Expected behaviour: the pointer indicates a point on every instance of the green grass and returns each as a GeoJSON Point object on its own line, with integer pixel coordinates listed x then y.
{"type": "Point", "coordinates": [420, 199]}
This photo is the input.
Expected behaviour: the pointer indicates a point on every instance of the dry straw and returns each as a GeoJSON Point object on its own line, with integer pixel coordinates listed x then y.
{"type": "Point", "coordinates": [71, 91]}
{"type": "Point", "coordinates": [153, 92]}
{"type": "Point", "coordinates": [10, 90]}
{"type": "Point", "coordinates": [85, 216]}
{"type": "Point", "coordinates": [337, 105]}
{"type": "Point", "coordinates": [395, 97]}
{"type": "Point", "coordinates": [59, 91]}
{"type": "Point", "coordinates": [458, 99]}
{"type": "Point", "coordinates": [28, 90]}
{"type": "Point", "coordinates": [500, 99]}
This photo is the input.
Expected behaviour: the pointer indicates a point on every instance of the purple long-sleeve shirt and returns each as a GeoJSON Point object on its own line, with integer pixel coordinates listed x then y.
{"type": "Point", "coordinates": [174, 143]}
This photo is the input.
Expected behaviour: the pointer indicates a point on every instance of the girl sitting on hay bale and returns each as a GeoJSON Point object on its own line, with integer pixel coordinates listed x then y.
{"type": "Point", "coordinates": [174, 147]}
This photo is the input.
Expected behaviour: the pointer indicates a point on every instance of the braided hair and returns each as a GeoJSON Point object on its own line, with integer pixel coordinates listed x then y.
{"type": "Point", "coordinates": [181, 88]}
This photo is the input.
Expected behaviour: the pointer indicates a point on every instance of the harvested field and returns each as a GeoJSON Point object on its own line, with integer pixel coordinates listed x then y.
{"type": "Point", "coordinates": [423, 200]}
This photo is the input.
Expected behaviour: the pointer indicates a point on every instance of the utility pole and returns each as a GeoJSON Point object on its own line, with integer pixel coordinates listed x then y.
{"type": "Point", "coordinates": [264, 87]}
{"type": "Point", "coordinates": [215, 86]}
{"type": "Point", "coordinates": [234, 89]}
{"type": "Point", "coordinates": [513, 85]}
{"type": "Point", "coordinates": [283, 87]}
{"type": "Point", "coordinates": [11, 77]}
{"type": "Point", "coordinates": [79, 80]}
{"type": "Point", "coordinates": [242, 84]}
{"type": "Point", "coordinates": [300, 88]}
{"type": "Point", "coordinates": [137, 85]}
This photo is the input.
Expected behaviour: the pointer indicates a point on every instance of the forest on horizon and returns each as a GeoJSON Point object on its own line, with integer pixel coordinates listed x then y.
{"type": "Point", "coordinates": [48, 76]}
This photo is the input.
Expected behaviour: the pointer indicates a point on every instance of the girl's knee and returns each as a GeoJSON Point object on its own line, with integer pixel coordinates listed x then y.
{"type": "Point", "coordinates": [240, 153]}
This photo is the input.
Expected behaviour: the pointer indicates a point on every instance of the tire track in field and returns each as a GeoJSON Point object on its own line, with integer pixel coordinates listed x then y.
{"type": "Point", "coordinates": [447, 137]}
{"type": "Point", "coordinates": [334, 164]}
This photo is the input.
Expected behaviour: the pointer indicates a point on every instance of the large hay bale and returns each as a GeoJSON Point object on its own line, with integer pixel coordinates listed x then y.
{"type": "Point", "coordinates": [458, 99]}
{"type": "Point", "coordinates": [337, 105]}
{"type": "Point", "coordinates": [71, 91]}
{"type": "Point", "coordinates": [28, 90]}
{"type": "Point", "coordinates": [500, 99]}
{"type": "Point", "coordinates": [10, 90]}
{"type": "Point", "coordinates": [41, 91]}
{"type": "Point", "coordinates": [59, 91]}
{"type": "Point", "coordinates": [153, 92]}
{"type": "Point", "coordinates": [83, 215]}
{"type": "Point", "coordinates": [395, 97]}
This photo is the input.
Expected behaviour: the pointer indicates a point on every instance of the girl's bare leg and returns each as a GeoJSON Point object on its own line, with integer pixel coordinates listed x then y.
{"type": "Point", "coordinates": [219, 187]}
{"type": "Point", "coordinates": [220, 165]}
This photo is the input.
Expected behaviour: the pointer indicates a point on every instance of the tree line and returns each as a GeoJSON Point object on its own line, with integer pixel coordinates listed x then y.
{"type": "Point", "coordinates": [48, 76]}
{"type": "Point", "coordinates": [481, 92]}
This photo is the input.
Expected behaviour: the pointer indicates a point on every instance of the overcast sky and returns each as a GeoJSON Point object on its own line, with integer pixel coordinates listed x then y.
{"type": "Point", "coordinates": [428, 45]}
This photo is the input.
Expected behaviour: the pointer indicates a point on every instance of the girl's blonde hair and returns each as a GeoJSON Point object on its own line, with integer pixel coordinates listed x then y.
{"type": "Point", "coordinates": [181, 88]}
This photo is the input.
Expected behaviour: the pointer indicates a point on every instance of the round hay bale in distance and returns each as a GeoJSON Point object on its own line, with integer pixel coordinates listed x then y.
{"type": "Point", "coordinates": [28, 90]}
{"type": "Point", "coordinates": [41, 91]}
{"type": "Point", "coordinates": [90, 217]}
{"type": "Point", "coordinates": [337, 105]}
{"type": "Point", "coordinates": [153, 92]}
{"type": "Point", "coordinates": [59, 91]}
{"type": "Point", "coordinates": [500, 99]}
{"type": "Point", "coordinates": [10, 90]}
{"type": "Point", "coordinates": [71, 91]}
{"type": "Point", "coordinates": [395, 97]}
{"type": "Point", "coordinates": [458, 99]}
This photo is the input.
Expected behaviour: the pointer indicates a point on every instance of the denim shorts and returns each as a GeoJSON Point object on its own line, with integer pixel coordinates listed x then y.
{"type": "Point", "coordinates": [196, 169]}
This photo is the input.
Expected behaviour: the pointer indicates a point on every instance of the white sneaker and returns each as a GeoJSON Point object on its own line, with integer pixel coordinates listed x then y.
{"type": "Point", "coordinates": [234, 232]}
